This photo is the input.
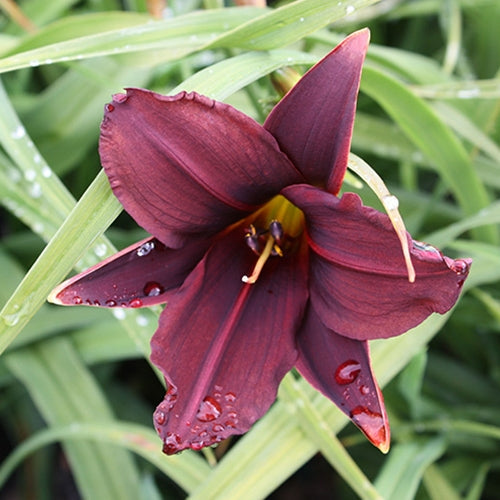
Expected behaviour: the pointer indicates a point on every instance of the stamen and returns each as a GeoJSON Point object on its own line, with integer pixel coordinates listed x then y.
{"type": "Point", "coordinates": [260, 263]}
{"type": "Point", "coordinates": [390, 203]}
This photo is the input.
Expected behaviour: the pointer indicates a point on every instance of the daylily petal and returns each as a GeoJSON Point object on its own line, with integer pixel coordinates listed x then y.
{"type": "Point", "coordinates": [340, 369]}
{"type": "Point", "coordinates": [140, 275]}
{"type": "Point", "coordinates": [224, 346]}
{"type": "Point", "coordinates": [313, 123]}
{"type": "Point", "coordinates": [358, 279]}
{"type": "Point", "coordinates": [186, 166]}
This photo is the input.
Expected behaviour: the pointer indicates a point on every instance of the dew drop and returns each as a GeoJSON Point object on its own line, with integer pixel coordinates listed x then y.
{"type": "Point", "coordinates": [230, 397]}
{"type": "Point", "coordinates": [100, 250]}
{"type": "Point", "coordinates": [35, 190]}
{"type": "Point", "coordinates": [390, 202]}
{"type": "Point", "coordinates": [459, 266]}
{"type": "Point", "coordinates": [120, 98]}
{"type": "Point", "coordinates": [11, 318]}
{"type": "Point", "coordinates": [350, 9]}
{"type": "Point", "coordinates": [218, 428]}
{"type": "Point", "coordinates": [347, 372]}
{"type": "Point", "coordinates": [119, 314]}
{"type": "Point", "coordinates": [425, 247]}
{"type": "Point", "coordinates": [371, 423]}
{"type": "Point", "coordinates": [30, 175]}
{"type": "Point", "coordinates": [153, 289]}
{"type": "Point", "coordinates": [135, 303]}
{"type": "Point", "coordinates": [77, 300]}
{"type": "Point", "coordinates": [46, 171]}
{"type": "Point", "coordinates": [209, 410]}
{"type": "Point", "coordinates": [109, 108]}
{"type": "Point", "coordinates": [142, 320]}
{"type": "Point", "coordinates": [19, 132]}
{"type": "Point", "coordinates": [468, 93]}
{"type": "Point", "coordinates": [364, 390]}
{"type": "Point", "coordinates": [197, 445]}
{"type": "Point", "coordinates": [160, 417]}
{"type": "Point", "coordinates": [110, 303]}
{"type": "Point", "coordinates": [145, 249]}
{"type": "Point", "coordinates": [171, 443]}
{"type": "Point", "coordinates": [14, 175]}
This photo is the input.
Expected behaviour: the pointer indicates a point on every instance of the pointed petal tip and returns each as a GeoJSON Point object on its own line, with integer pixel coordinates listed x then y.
{"type": "Point", "coordinates": [362, 37]}
{"type": "Point", "coordinates": [374, 426]}
{"type": "Point", "coordinates": [384, 447]}
{"type": "Point", "coordinates": [52, 297]}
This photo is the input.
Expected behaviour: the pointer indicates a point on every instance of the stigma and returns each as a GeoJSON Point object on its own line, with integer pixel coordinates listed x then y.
{"type": "Point", "coordinates": [265, 244]}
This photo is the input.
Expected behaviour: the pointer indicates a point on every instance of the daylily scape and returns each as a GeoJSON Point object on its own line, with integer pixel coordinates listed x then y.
{"type": "Point", "coordinates": [262, 266]}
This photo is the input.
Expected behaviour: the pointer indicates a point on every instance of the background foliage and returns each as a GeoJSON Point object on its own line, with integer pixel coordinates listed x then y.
{"type": "Point", "coordinates": [77, 391]}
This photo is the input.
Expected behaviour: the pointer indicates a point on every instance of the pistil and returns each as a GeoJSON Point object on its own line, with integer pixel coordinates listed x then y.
{"type": "Point", "coordinates": [266, 253]}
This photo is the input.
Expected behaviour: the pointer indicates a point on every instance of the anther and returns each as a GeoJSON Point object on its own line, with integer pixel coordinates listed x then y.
{"type": "Point", "coordinates": [276, 231]}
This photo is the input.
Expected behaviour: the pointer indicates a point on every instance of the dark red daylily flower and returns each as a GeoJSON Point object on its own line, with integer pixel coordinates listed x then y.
{"type": "Point", "coordinates": [262, 266]}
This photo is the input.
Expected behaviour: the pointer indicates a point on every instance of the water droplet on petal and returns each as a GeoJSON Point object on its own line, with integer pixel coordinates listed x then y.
{"type": "Point", "coordinates": [364, 390]}
{"type": "Point", "coordinates": [109, 108]}
{"type": "Point", "coordinates": [347, 372]}
{"type": "Point", "coordinates": [77, 300]}
{"type": "Point", "coordinates": [171, 443]}
{"type": "Point", "coordinates": [230, 397]}
{"type": "Point", "coordinates": [372, 424]}
{"type": "Point", "coordinates": [160, 417]}
{"type": "Point", "coordinates": [135, 303]}
{"type": "Point", "coordinates": [218, 428]}
{"type": "Point", "coordinates": [110, 303]}
{"type": "Point", "coordinates": [209, 410]}
{"type": "Point", "coordinates": [460, 266]}
{"type": "Point", "coordinates": [153, 289]}
{"type": "Point", "coordinates": [120, 98]}
{"type": "Point", "coordinates": [197, 445]}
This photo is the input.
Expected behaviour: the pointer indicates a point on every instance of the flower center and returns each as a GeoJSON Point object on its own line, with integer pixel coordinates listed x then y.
{"type": "Point", "coordinates": [275, 228]}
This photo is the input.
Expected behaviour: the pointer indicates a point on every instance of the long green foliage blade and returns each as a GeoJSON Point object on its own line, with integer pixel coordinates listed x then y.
{"type": "Point", "coordinates": [434, 139]}
{"type": "Point", "coordinates": [65, 392]}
